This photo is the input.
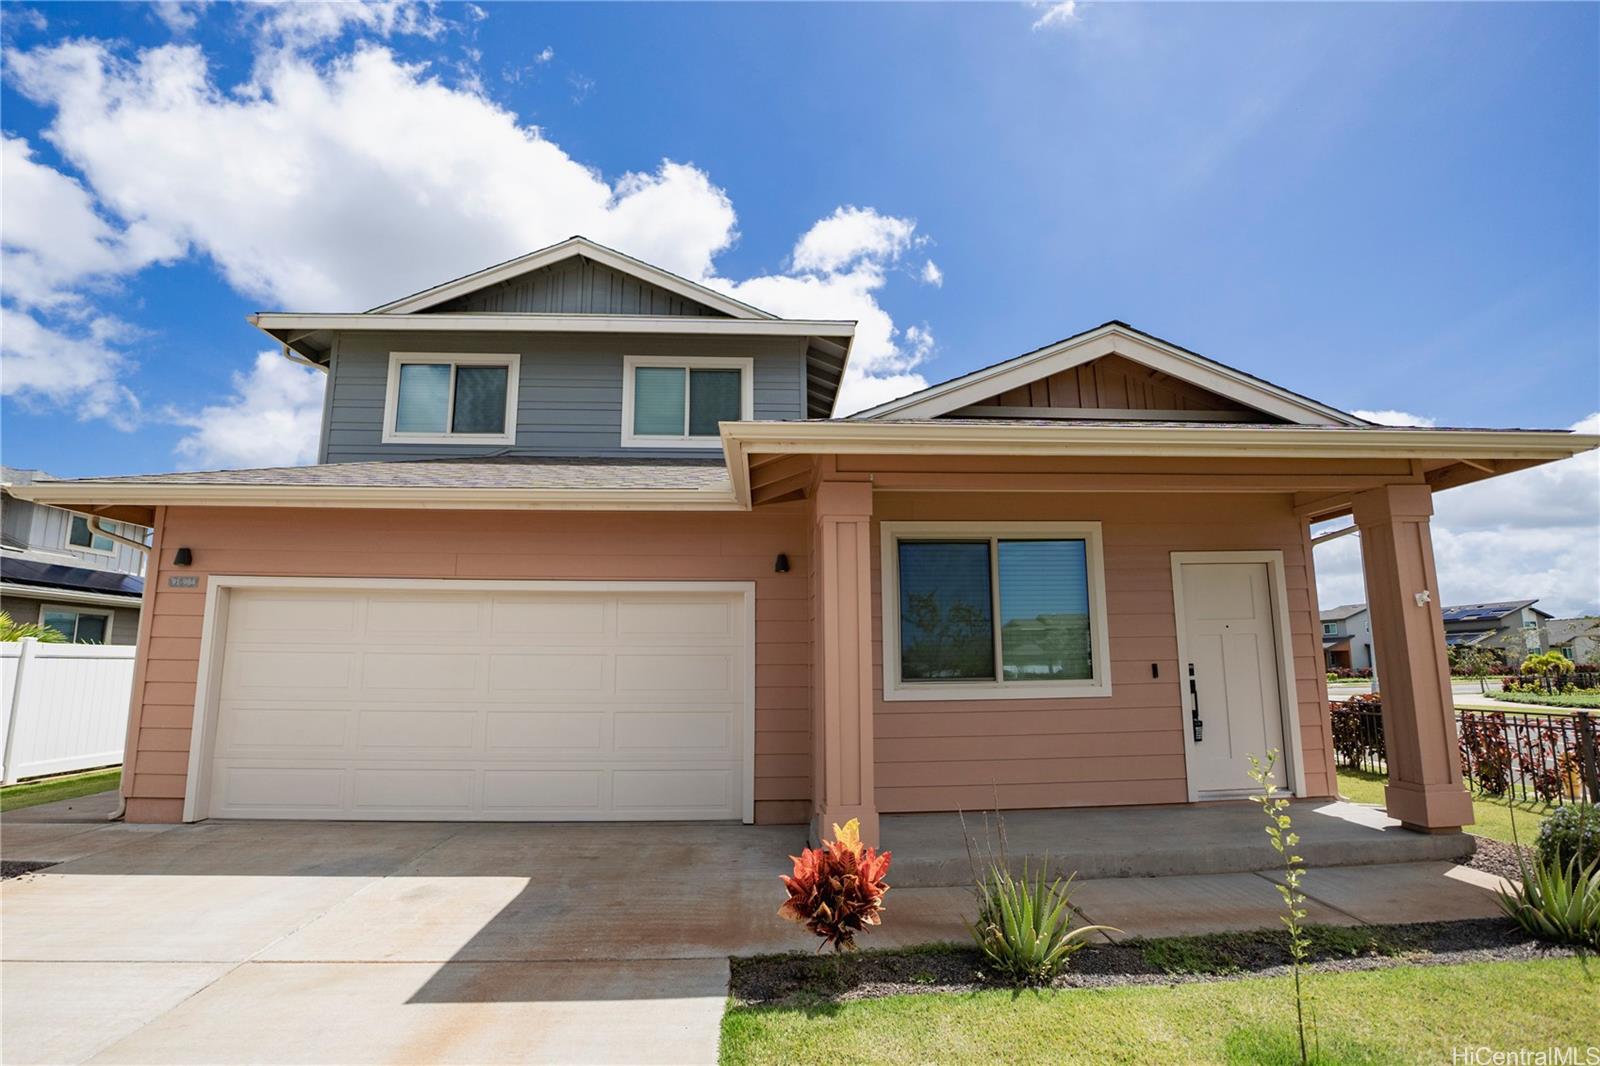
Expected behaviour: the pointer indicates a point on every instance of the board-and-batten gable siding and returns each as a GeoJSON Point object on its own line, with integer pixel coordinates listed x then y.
{"type": "Point", "coordinates": [49, 531]}
{"type": "Point", "coordinates": [569, 399]}
{"type": "Point", "coordinates": [1114, 382]}
{"type": "Point", "coordinates": [577, 286]}
{"type": "Point", "coordinates": [16, 519]}
{"type": "Point", "coordinates": [1126, 748]}
{"type": "Point", "coordinates": [124, 620]}
{"type": "Point", "coordinates": [626, 546]}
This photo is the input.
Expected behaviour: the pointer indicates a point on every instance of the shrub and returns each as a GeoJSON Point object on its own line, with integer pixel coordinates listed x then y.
{"type": "Point", "coordinates": [836, 891]}
{"type": "Point", "coordinates": [1556, 901]}
{"type": "Point", "coordinates": [1571, 834]}
{"type": "Point", "coordinates": [11, 631]}
{"type": "Point", "coordinates": [1024, 925]}
{"type": "Point", "coordinates": [1486, 753]}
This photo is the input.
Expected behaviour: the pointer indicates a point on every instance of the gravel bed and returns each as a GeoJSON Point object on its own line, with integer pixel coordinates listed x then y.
{"type": "Point", "coordinates": [10, 868]}
{"type": "Point", "coordinates": [1498, 858]}
{"type": "Point", "coordinates": [806, 979]}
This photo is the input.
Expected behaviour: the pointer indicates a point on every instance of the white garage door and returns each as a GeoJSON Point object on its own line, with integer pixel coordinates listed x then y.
{"type": "Point", "coordinates": [481, 705]}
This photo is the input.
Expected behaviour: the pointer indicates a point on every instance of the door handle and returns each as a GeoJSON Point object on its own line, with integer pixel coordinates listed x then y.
{"type": "Point", "coordinates": [1194, 713]}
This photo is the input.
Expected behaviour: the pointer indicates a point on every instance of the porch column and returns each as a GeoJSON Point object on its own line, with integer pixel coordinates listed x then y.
{"type": "Point", "coordinates": [842, 692]}
{"type": "Point", "coordinates": [1425, 790]}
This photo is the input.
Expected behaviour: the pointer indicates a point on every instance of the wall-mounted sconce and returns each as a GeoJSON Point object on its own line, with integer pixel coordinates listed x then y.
{"type": "Point", "coordinates": [182, 557]}
{"type": "Point", "coordinates": [781, 566]}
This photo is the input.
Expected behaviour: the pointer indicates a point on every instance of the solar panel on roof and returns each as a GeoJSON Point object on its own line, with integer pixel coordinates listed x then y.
{"type": "Point", "coordinates": [53, 575]}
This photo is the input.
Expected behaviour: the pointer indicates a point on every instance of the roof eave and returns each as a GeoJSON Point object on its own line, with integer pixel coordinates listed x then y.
{"type": "Point", "coordinates": [87, 495]}
{"type": "Point", "coordinates": [846, 436]}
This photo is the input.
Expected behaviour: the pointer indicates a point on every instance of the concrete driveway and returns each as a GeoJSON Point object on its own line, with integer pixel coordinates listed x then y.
{"type": "Point", "coordinates": [408, 942]}
{"type": "Point", "coordinates": [389, 942]}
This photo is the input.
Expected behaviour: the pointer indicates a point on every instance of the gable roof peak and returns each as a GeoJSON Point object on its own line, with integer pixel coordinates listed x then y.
{"type": "Point", "coordinates": [1114, 337]}
{"type": "Point", "coordinates": [572, 247]}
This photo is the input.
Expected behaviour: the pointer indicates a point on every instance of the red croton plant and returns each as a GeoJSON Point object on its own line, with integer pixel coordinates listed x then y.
{"type": "Point", "coordinates": [837, 890]}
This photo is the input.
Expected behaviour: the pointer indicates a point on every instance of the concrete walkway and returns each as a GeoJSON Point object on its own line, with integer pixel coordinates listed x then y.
{"type": "Point", "coordinates": [484, 943]}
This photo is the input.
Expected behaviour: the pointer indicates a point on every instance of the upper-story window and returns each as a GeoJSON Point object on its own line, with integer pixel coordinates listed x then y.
{"type": "Point", "coordinates": [1330, 628]}
{"type": "Point", "coordinates": [677, 403]}
{"type": "Point", "coordinates": [80, 536]}
{"type": "Point", "coordinates": [451, 399]}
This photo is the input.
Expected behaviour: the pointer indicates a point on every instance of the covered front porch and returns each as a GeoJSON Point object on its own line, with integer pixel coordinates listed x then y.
{"type": "Point", "coordinates": [1133, 738]}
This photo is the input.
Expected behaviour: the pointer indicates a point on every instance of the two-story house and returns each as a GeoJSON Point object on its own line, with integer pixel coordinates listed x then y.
{"type": "Point", "coordinates": [1514, 629]}
{"type": "Point", "coordinates": [586, 543]}
{"type": "Point", "coordinates": [1347, 637]}
{"type": "Point", "coordinates": [79, 575]}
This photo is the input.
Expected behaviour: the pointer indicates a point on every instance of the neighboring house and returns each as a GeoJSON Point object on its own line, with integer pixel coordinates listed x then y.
{"type": "Point", "coordinates": [1513, 628]}
{"type": "Point", "coordinates": [586, 544]}
{"type": "Point", "coordinates": [1576, 638]}
{"type": "Point", "coordinates": [1347, 637]}
{"type": "Point", "coordinates": [79, 576]}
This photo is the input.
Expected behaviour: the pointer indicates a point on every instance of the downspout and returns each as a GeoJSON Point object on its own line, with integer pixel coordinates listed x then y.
{"type": "Point", "coordinates": [96, 527]}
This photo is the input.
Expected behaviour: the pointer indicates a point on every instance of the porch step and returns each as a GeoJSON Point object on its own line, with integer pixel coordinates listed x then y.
{"type": "Point", "coordinates": [1097, 842]}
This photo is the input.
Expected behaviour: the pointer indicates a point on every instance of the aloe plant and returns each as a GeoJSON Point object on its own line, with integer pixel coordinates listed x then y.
{"type": "Point", "coordinates": [1556, 901]}
{"type": "Point", "coordinates": [1024, 925]}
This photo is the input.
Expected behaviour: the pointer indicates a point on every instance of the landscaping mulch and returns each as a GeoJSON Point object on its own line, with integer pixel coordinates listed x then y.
{"type": "Point", "coordinates": [1498, 858]}
{"type": "Point", "coordinates": [795, 979]}
{"type": "Point", "coordinates": [10, 868]}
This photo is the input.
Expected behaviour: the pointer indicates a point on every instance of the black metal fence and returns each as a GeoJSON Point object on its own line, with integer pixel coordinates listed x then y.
{"type": "Point", "coordinates": [1522, 754]}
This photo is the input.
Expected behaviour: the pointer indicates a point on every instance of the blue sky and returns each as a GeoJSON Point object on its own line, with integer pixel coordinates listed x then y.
{"type": "Point", "coordinates": [1388, 207]}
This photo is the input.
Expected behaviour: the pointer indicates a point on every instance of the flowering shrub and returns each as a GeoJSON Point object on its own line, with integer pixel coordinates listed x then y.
{"type": "Point", "coordinates": [837, 890]}
{"type": "Point", "coordinates": [1571, 833]}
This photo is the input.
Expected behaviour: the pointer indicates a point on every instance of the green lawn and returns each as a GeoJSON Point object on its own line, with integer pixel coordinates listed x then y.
{"type": "Point", "coordinates": [1493, 818]}
{"type": "Point", "coordinates": [33, 793]}
{"type": "Point", "coordinates": [1404, 1014]}
{"type": "Point", "coordinates": [1584, 698]}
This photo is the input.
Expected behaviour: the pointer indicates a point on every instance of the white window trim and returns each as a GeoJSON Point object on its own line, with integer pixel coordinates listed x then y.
{"type": "Point", "coordinates": [894, 689]}
{"type": "Point", "coordinates": [93, 532]}
{"type": "Point", "coordinates": [745, 366]}
{"type": "Point", "coordinates": [511, 361]}
{"type": "Point", "coordinates": [77, 610]}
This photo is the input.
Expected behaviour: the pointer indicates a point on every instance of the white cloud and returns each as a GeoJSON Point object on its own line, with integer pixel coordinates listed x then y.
{"type": "Point", "coordinates": [881, 356]}
{"type": "Point", "coordinates": [1057, 15]}
{"type": "Point", "coordinates": [303, 23]}
{"type": "Point", "coordinates": [180, 16]}
{"type": "Point", "coordinates": [1394, 418]}
{"type": "Point", "coordinates": [545, 55]}
{"type": "Point", "coordinates": [74, 370]}
{"type": "Point", "coordinates": [1532, 534]}
{"type": "Point", "coordinates": [389, 181]}
{"type": "Point", "coordinates": [853, 235]}
{"type": "Point", "coordinates": [51, 237]}
{"type": "Point", "coordinates": [932, 274]}
{"type": "Point", "coordinates": [271, 419]}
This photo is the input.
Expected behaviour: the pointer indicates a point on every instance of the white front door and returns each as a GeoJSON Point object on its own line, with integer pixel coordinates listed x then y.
{"type": "Point", "coordinates": [1230, 676]}
{"type": "Point", "coordinates": [488, 705]}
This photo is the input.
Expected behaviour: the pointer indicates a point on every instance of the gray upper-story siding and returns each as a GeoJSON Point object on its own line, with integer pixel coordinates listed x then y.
{"type": "Point", "coordinates": [577, 286]}
{"type": "Point", "coordinates": [569, 400]}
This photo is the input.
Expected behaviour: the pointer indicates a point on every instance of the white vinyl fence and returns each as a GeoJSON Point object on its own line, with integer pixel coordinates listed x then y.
{"type": "Point", "coordinates": [63, 707]}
